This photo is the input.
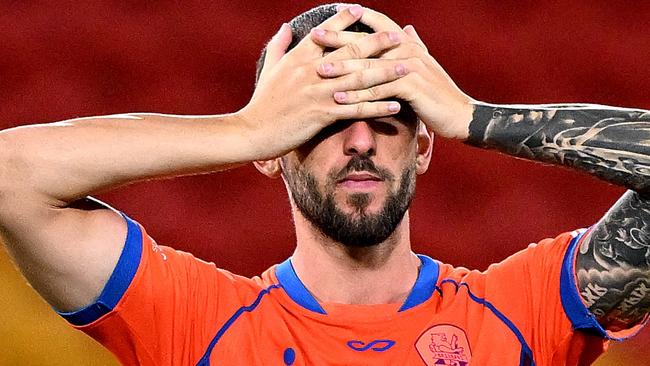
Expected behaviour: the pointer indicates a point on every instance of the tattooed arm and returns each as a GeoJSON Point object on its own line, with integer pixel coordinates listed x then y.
{"type": "Point", "coordinates": [610, 143]}
{"type": "Point", "coordinates": [613, 263]}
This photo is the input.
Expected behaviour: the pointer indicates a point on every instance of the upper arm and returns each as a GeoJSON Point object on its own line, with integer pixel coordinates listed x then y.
{"type": "Point", "coordinates": [613, 264]}
{"type": "Point", "coordinates": [161, 306]}
{"type": "Point", "coordinates": [67, 254]}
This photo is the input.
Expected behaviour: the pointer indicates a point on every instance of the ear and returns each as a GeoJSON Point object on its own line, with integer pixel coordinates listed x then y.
{"type": "Point", "coordinates": [270, 168]}
{"type": "Point", "coordinates": [424, 148]}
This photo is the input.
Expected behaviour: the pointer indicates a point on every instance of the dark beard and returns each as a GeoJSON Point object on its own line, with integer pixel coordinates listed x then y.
{"type": "Point", "coordinates": [364, 230]}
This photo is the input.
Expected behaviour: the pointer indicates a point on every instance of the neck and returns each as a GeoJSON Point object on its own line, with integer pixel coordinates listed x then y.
{"type": "Point", "coordinates": [334, 273]}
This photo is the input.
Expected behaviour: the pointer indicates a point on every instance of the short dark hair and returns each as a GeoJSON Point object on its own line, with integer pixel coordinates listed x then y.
{"type": "Point", "coordinates": [302, 24]}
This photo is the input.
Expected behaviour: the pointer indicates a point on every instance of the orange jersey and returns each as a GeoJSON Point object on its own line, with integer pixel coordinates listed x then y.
{"type": "Point", "coordinates": [165, 307]}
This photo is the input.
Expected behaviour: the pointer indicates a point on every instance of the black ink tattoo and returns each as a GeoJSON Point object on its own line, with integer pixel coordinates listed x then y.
{"type": "Point", "coordinates": [610, 143]}
{"type": "Point", "coordinates": [613, 264]}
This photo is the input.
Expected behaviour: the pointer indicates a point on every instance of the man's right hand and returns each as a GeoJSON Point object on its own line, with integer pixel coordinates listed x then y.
{"type": "Point", "coordinates": [68, 246]}
{"type": "Point", "coordinates": [292, 102]}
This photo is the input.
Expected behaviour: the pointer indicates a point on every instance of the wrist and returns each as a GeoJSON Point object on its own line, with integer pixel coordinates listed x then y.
{"type": "Point", "coordinates": [482, 114]}
{"type": "Point", "coordinates": [252, 133]}
{"type": "Point", "coordinates": [465, 118]}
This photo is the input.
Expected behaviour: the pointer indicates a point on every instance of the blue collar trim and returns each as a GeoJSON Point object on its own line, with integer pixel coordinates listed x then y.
{"type": "Point", "coordinates": [424, 285]}
{"type": "Point", "coordinates": [423, 289]}
{"type": "Point", "coordinates": [294, 287]}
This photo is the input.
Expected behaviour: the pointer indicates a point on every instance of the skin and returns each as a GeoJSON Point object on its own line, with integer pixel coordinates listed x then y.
{"type": "Point", "coordinates": [47, 170]}
{"type": "Point", "coordinates": [332, 271]}
{"type": "Point", "coordinates": [613, 144]}
{"type": "Point", "coordinates": [613, 264]}
{"type": "Point", "coordinates": [67, 246]}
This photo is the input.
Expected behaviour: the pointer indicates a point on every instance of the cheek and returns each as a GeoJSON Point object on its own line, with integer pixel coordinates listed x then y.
{"type": "Point", "coordinates": [326, 143]}
{"type": "Point", "coordinates": [398, 153]}
{"type": "Point", "coordinates": [322, 163]}
{"type": "Point", "coordinates": [305, 170]}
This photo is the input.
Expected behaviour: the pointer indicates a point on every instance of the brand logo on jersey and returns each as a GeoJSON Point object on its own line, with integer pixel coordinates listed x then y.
{"type": "Point", "coordinates": [379, 345]}
{"type": "Point", "coordinates": [444, 345]}
{"type": "Point", "coordinates": [156, 249]}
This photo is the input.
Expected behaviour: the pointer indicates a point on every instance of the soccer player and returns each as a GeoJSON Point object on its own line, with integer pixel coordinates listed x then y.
{"type": "Point", "coordinates": [347, 120]}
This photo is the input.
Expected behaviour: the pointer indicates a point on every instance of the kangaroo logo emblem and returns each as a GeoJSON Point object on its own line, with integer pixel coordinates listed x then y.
{"type": "Point", "coordinates": [444, 345]}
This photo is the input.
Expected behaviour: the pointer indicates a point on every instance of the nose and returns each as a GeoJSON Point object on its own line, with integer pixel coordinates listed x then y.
{"type": "Point", "coordinates": [359, 139]}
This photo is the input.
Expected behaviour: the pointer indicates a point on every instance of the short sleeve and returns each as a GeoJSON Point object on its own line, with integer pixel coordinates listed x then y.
{"type": "Point", "coordinates": [160, 306]}
{"type": "Point", "coordinates": [537, 290]}
{"type": "Point", "coordinates": [574, 305]}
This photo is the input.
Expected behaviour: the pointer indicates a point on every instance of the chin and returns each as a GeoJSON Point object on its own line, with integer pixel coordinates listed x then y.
{"type": "Point", "coordinates": [363, 213]}
{"type": "Point", "coordinates": [361, 204]}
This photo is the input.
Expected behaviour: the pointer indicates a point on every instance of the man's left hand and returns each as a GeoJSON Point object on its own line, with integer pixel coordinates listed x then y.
{"type": "Point", "coordinates": [429, 90]}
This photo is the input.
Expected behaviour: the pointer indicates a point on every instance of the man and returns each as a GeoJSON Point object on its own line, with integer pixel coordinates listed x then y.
{"type": "Point", "coordinates": [324, 117]}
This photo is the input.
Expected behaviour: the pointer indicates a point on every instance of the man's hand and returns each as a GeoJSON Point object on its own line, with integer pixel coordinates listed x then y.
{"type": "Point", "coordinates": [612, 267]}
{"type": "Point", "coordinates": [292, 102]}
{"type": "Point", "coordinates": [437, 101]}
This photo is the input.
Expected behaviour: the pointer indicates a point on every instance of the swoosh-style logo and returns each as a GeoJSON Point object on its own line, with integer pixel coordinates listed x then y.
{"type": "Point", "coordinates": [379, 345]}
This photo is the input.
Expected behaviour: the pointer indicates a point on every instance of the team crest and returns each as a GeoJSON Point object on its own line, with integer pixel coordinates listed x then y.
{"type": "Point", "coordinates": [444, 345]}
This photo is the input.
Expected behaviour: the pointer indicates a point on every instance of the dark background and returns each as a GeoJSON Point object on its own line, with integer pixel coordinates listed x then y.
{"type": "Point", "coordinates": [66, 59]}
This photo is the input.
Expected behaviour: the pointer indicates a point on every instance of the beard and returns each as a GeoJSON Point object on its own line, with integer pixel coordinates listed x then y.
{"type": "Point", "coordinates": [359, 229]}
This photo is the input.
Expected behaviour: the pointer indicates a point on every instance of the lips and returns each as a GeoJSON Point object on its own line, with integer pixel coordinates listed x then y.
{"type": "Point", "coordinates": [360, 177]}
{"type": "Point", "coordinates": [360, 181]}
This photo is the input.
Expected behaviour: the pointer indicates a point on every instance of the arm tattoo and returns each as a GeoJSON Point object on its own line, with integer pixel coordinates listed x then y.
{"type": "Point", "coordinates": [613, 264]}
{"type": "Point", "coordinates": [610, 143]}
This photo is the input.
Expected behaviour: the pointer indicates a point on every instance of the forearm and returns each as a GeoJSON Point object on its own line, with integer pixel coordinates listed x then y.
{"type": "Point", "coordinates": [608, 142]}
{"type": "Point", "coordinates": [64, 161]}
{"type": "Point", "coordinates": [613, 263]}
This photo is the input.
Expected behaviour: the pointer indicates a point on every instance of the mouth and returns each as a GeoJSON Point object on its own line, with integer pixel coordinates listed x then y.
{"type": "Point", "coordinates": [360, 181]}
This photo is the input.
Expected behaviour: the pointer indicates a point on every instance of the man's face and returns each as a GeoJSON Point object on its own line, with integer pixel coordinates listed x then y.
{"type": "Point", "coordinates": [354, 181]}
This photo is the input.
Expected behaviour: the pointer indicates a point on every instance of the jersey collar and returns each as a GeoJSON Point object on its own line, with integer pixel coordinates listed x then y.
{"type": "Point", "coordinates": [424, 286]}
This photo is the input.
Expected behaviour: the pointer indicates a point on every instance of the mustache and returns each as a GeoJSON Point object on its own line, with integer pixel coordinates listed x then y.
{"type": "Point", "coordinates": [360, 163]}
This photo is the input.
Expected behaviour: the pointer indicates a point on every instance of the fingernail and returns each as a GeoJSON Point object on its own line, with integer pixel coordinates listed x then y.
{"type": "Point", "coordinates": [356, 10]}
{"type": "Point", "coordinates": [318, 32]}
{"type": "Point", "coordinates": [393, 107]}
{"type": "Point", "coordinates": [393, 36]}
{"type": "Point", "coordinates": [340, 96]}
{"type": "Point", "coordinates": [400, 69]}
{"type": "Point", "coordinates": [412, 30]}
{"type": "Point", "coordinates": [326, 68]}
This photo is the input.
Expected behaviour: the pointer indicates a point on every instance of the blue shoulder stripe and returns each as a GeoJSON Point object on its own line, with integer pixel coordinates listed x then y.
{"type": "Point", "coordinates": [205, 360]}
{"type": "Point", "coordinates": [574, 307]}
{"type": "Point", "coordinates": [526, 353]}
{"type": "Point", "coordinates": [117, 284]}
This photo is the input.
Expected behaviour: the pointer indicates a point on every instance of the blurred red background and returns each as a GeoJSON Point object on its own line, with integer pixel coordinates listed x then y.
{"type": "Point", "coordinates": [69, 59]}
